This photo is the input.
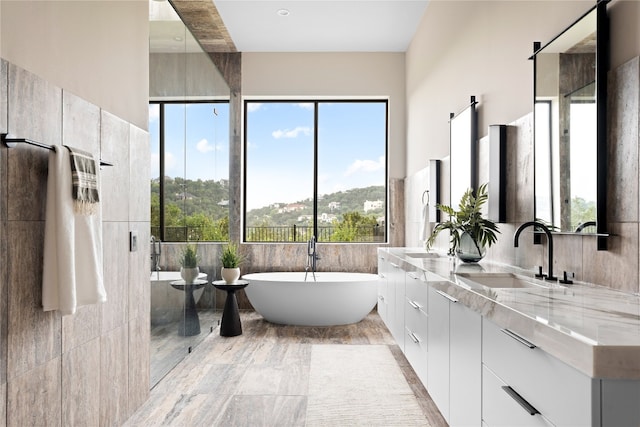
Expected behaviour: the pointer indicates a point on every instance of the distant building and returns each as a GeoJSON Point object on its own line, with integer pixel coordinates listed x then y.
{"type": "Point", "coordinates": [373, 205]}
{"type": "Point", "coordinates": [294, 207]}
{"type": "Point", "coordinates": [334, 206]}
{"type": "Point", "coordinates": [184, 196]}
{"type": "Point", "coordinates": [327, 218]}
{"type": "Point", "coordinates": [223, 203]}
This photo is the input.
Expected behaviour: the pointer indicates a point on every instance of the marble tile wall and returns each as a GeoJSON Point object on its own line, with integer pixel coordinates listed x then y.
{"type": "Point", "coordinates": [619, 266]}
{"type": "Point", "coordinates": [90, 368]}
{"type": "Point", "coordinates": [4, 271]}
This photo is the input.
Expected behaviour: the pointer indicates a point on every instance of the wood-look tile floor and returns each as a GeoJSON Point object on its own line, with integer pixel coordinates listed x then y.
{"type": "Point", "coordinates": [274, 375]}
{"type": "Point", "coordinates": [168, 347]}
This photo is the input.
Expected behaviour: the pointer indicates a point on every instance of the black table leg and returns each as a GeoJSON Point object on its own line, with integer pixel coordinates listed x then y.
{"type": "Point", "coordinates": [190, 322]}
{"type": "Point", "coordinates": [230, 325]}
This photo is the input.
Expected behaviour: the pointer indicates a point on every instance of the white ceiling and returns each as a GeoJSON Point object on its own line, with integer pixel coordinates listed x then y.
{"type": "Point", "coordinates": [321, 25]}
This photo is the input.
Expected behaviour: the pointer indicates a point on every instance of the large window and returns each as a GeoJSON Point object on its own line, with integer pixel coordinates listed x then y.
{"type": "Point", "coordinates": [315, 168]}
{"type": "Point", "coordinates": [189, 171]}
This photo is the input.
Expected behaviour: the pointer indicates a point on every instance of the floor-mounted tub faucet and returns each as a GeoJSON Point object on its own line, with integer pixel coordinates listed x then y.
{"type": "Point", "coordinates": [312, 258]}
{"type": "Point", "coordinates": [544, 228]}
{"type": "Point", "coordinates": [155, 254]}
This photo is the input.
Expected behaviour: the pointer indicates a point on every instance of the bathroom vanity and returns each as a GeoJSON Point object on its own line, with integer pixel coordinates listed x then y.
{"type": "Point", "coordinates": [496, 347]}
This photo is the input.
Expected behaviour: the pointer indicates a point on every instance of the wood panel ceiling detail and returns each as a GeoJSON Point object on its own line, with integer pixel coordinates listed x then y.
{"type": "Point", "coordinates": [205, 24]}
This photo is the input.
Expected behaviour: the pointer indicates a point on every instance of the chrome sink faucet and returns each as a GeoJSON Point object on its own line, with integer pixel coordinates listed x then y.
{"type": "Point", "coordinates": [539, 225]}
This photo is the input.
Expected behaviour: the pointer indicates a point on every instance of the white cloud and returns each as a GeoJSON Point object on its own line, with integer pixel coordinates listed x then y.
{"type": "Point", "coordinates": [253, 106]}
{"type": "Point", "coordinates": [203, 146]}
{"type": "Point", "coordinates": [154, 112]}
{"type": "Point", "coordinates": [306, 105]}
{"type": "Point", "coordinates": [155, 164]}
{"type": "Point", "coordinates": [291, 133]}
{"type": "Point", "coordinates": [169, 161]}
{"type": "Point", "coordinates": [365, 166]}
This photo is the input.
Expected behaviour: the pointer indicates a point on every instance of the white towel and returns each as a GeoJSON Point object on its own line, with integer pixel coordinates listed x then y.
{"type": "Point", "coordinates": [72, 274]}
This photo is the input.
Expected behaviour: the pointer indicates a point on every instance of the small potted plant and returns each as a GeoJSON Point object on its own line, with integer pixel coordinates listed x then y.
{"type": "Point", "coordinates": [470, 232]}
{"type": "Point", "coordinates": [231, 260]}
{"type": "Point", "coordinates": [189, 269]}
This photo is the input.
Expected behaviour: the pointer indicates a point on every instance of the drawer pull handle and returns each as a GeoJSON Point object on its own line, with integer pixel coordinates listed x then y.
{"type": "Point", "coordinates": [415, 305]}
{"type": "Point", "coordinates": [413, 337]}
{"type": "Point", "coordinates": [381, 298]}
{"type": "Point", "coordinates": [382, 276]}
{"type": "Point", "coordinates": [394, 265]}
{"type": "Point", "coordinates": [412, 275]}
{"type": "Point", "coordinates": [447, 296]}
{"type": "Point", "coordinates": [521, 401]}
{"type": "Point", "coordinates": [519, 338]}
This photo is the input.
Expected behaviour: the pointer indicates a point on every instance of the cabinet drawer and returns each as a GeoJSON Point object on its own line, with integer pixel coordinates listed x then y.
{"type": "Point", "coordinates": [417, 289]}
{"type": "Point", "coordinates": [500, 409]}
{"type": "Point", "coordinates": [415, 350]}
{"type": "Point", "coordinates": [561, 393]}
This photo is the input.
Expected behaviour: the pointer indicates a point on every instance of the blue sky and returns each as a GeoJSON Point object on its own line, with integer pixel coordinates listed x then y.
{"type": "Point", "coordinates": [203, 143]}
{"type": "Point", "coordinates": [351, 151]}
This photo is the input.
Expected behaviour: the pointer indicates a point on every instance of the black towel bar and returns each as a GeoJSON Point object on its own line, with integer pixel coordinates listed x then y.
{"type": "Point", "coordinates": [11, 142]}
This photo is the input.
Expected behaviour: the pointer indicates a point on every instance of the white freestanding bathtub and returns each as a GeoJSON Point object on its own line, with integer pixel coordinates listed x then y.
{"type": "Point", "coordinates": [167, 303]}
{"type": "Point", "coordinates": [333, 299]}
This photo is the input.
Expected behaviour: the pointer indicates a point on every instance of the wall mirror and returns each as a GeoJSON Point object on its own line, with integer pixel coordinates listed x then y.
{"type": "Point", "coordinates": [570, 127]}
{"type": "Point", "coordinates": [463, 152]}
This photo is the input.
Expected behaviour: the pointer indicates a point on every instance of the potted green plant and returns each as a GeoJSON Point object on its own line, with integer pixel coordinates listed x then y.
{"type": "Point", "coordinates": [470, 232]}
{"type": "Point", "coordinates": [231, 260]}
{"type": "Point", "coordinates": [189, 269]}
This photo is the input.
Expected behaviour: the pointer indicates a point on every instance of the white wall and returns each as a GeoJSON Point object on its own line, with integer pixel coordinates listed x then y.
{"type": "Point", "coordinates": [338, 75]}
{"type": "Point", "coordinates": [480, 48]}
{"type": "Point", "coordinates": [95, 49]}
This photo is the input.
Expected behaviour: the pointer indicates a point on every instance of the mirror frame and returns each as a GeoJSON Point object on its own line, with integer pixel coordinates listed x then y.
{"type": "Point", "coordinates": [463, 139]}
{"type": "Point", "coordinates": [602, 67]}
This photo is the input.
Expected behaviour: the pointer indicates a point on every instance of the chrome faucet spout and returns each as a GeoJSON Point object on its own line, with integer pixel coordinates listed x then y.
{"type": "Point", "coordinates": [539, 225]}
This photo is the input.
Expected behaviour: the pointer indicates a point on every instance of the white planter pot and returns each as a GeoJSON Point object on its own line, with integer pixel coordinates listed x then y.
{"type": "Point", "coordinates": [230, 275]}
{"type": "Point", "coordinates": [189, 274]}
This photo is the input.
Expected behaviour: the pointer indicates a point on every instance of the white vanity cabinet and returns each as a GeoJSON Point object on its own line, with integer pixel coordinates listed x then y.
{"type": "Point", "coordinates": [396, 285]}
{"type": "Point", "coordinates": [416, 319]}
{"type": "Point", "coordinates": [524, 385]}
{"type": "Point", "coordinates": [479, 373]}
{"type": "Point", "coordinates": [391, 298]}
{"type": "Point", "coordinates": [454, 376]}
{"type": "Point", "coordinates": [383, 273]}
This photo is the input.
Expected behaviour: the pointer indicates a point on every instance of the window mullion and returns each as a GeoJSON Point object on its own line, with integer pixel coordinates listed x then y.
{"type": "Point", "coordinates": [315, 170]}
{"type": "Point", "coordinates": [162, 157]}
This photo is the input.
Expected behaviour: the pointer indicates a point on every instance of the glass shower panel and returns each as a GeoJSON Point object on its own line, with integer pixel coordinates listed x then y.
{"type": "Point", "coordinates": [189, 131]}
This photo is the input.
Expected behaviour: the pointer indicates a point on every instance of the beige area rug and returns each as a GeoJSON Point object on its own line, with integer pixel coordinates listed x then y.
{"type": "Point", "coordinates": [359, 385]}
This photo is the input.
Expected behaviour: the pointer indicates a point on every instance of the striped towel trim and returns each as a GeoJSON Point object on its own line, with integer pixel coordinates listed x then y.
{"type": "Point", "coordinates": [84, 181]}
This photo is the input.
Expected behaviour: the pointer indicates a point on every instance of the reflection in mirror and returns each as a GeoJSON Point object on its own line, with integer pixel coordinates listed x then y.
{"type": "Point", "coordinates": [570, 127]}
{"type": "Point", "coordinates": [463, 138]}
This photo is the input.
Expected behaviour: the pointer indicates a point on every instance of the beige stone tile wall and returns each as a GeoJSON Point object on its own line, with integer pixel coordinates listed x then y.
{"type": "Point", "coordinates": [90, 368]}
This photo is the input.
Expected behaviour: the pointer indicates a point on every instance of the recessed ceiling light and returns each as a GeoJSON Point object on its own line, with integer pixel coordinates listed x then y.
{"type": "Point", "coordinates": [283, 12]}
{"type": "Point", "coordinates": [178, 38]}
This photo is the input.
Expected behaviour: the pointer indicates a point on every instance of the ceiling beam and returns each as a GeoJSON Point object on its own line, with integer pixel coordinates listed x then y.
{"type": "Point", "coordinates": [205, 24]}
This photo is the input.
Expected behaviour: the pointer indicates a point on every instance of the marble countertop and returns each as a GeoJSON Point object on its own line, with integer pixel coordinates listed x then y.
{"type": "Point", "coordinates": [592, 328]}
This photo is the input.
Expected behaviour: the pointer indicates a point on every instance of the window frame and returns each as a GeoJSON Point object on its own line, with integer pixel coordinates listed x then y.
{"type": "Point", "coordinates": [315, 102]}
{"type": "Point", "coordinates": [161, 142]}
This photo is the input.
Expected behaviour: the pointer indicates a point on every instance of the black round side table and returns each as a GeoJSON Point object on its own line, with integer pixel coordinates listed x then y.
{"type": "Point", "coordinates": [190, 322]}
{"type": "Point", "coordinates": [230, 325]}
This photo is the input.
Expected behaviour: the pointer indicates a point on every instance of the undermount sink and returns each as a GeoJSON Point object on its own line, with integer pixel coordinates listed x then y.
{"type": "Point", "coordinates": [422, 255]}
{"type": "Point", "coordinates": [502, 280]}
